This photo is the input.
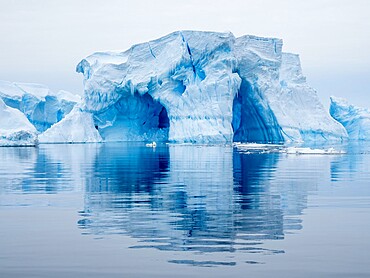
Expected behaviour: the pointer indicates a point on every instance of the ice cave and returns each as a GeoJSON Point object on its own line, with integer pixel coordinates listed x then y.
{"type": "Point", "coordinates": [133, 118]}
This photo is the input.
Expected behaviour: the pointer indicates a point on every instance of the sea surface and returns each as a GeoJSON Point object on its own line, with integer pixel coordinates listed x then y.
{"type": "Point", "coordinates": [127, 210]}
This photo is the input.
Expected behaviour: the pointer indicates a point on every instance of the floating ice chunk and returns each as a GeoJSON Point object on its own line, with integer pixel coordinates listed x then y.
{"type": "Point", "coordinates": [276, 148]}
{"type": "Point", "coordinates": [300, 150]}
{"type": "Point", "coordinates": [151, 145]}
{"type": "Point", "coordinates": [258, 148]}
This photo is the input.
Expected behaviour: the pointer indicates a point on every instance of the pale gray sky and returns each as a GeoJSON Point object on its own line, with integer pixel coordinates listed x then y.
{"type": "Point", "coordinates": [41, 41]}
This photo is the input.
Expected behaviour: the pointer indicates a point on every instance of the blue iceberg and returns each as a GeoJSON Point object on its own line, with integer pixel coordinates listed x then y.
{"type": "Point", "coordinates": [42, 107]}
{"type": "Point", "coordinates": [204, 87]}
{"type": "Point", "coordinates": [356, 120]}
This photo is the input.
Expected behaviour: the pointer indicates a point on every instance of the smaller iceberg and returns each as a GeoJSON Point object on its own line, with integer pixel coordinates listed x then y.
{"type": "Point", "coordinates": [15, 129]}
{"type": "Point", "coordinates": [356, 120]}
{"type": "Point", "coordinates": [42, 107]}
{"type": "Point", "coordinates": [77, 127]}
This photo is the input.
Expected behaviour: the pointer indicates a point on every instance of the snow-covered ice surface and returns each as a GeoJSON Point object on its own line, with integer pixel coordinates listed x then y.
{"type": "Point", "coordinates": [77, 127]}
{"type": "Point", "coordinates": [42, 107]}
{"type": "Point", "coordinates": [356, 120]}
{"type": "Point", "coordinates": [204, 87]}
{"type": "Point", "coordinates": [15, 129]}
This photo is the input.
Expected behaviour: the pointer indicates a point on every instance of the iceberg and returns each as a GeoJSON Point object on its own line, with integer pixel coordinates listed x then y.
{"type": "Point", "coordinates": [15, 129]}
{"type": "Point", "coordinates": [42, 107]}
{"type": "Point", "coordinates": [77, 127]}
{"type": "Point", "coordinates": [204, 87]}
{"type": "Point", "coordinates": [356, 120]}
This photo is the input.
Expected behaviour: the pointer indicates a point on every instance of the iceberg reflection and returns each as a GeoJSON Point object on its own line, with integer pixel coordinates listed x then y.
{"type": "Point", "coordinates": [210, 200]}
{"type": "Point", "coordinates": [189, 198]}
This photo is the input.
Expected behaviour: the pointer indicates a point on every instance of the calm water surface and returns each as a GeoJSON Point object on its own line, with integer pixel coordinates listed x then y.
{"type": "Point", "coordinates": [125, 210]}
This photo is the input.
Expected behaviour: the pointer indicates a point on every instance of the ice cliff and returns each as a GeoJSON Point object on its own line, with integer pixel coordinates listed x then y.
{"type": "Point", "coordinates": [356, 120]}
{"type": "Point", "coordinates": [194, 86]}
{"type": "Point", "coordinates": [15, 129]}
{"type": "Point", "coordinates": [298, 109]}
{"type": "Point", "coordinates": [42, 107]}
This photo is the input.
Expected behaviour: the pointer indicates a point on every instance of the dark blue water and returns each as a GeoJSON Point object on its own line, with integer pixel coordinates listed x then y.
{"type": "Point", "coordinates": [125, 210]}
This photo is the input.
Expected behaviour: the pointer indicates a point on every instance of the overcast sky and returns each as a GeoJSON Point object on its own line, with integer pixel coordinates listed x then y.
{"type": "Point", "coordinates": [42, 41]}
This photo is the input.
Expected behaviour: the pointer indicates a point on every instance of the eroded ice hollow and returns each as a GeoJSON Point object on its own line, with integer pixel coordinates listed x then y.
{"type": "Point", "coordinates": [204, 87]}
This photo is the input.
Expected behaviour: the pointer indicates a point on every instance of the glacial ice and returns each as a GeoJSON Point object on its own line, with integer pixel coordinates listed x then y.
{"type": "Point", "coordinates": [356, 120]}
{"type": "Point", "coordinates": [15, 129]}
{"type": "Point", "coordinates": [298, 109]}
{"type": "Point", "coordinates": [77, 127]}
{"type": "Point", "coordinates": [42, 107]}
{"type": "Point", "coordinates": [202, 87]}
